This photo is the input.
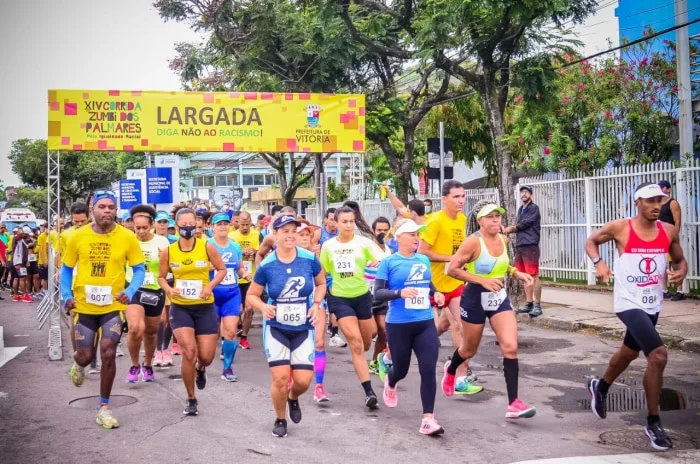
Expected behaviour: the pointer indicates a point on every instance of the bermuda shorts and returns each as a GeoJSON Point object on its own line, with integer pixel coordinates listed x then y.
{"type": "Point", "coordinates": [295, 348]}
{"type": "Point", "coordinates": [89, 327]}
{"type": "Point", "coordinates": [449, 296]}
{"type": "Point", "coordinates": [200, 317]}
{"type": "Point", "coordinates": [641, 332]}
{"type": "Point", "coordinates": [359, 306]}
{"type": "Point", "coordinates": [471, 307]}
{"type": "Point", "coordinates": [152, 301]}
{"type": "Point", "coordinates": [527, 259]}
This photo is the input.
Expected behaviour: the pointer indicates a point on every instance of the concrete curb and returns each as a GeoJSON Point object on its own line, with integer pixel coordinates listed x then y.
{"type": "Point", "coordinates": [671, 341]}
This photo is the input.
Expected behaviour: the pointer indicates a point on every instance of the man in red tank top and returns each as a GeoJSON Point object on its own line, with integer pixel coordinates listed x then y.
{"type": "Point", "coordinates": [642, 243]}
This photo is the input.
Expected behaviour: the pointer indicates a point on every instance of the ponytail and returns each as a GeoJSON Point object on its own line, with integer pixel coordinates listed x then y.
{"type": "Point", "coordinates": [359, 219]}
{"type": "Point", "coordinates": [472, 224]}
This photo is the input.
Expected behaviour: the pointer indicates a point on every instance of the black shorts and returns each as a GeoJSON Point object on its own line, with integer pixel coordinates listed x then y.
{"type": "Point", "coordinates": [88, 326]}
{"type": "Point", "coordinates": [641, 332]}
{"type": "Point", "coordinates": [379, 308]}
{"type": "Point", "coordinates": [200, 317]}
{"type": "Point", "coordinates": [244, 291]}
{"type": "Point", "coordinates": [43, 273]}
{"type": "Point", "coordinates": [32, 268]}
{"type": "Point", "coordinates": [152, 301]}
{"type": "Point", "coordinates": [359, 307]}
{"type": "Point", "coordinates": [471, 307]}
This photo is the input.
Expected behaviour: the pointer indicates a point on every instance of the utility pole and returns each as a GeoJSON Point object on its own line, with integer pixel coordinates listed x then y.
{"type": "Point", "coordinates": [685, 103]}
{"type": "Point", "coordinates": [442, 157]}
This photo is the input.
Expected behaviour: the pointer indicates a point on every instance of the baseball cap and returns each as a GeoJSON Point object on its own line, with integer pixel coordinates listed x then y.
{"type": "Point", "coordinates": [488, 209]}
{"type": "Point", "coordinates": [526, 187]}
{"type": "Point", "coordinates": [27, 230]}
{"type": "Point", "coordinates": [126, 216]}
{"type": "Point", "coordinates": [171, 223]}
{"type": "Point", "coordinates": [665, 184]}
{"type": "Point", "coordinates": [162, 216]}
{"type": "Point", "coordinates": [409, 227]}
{"type": "Point", "coordinates": [304, 226]}
{"type": "Point", "coordinates": [266, 221]}
{"type": "Point", "coordinates": [648, 191]}
{"type": "Point", "coordinates": [220, 217]}
{"type": "Point", "coordinates": [284, 220]}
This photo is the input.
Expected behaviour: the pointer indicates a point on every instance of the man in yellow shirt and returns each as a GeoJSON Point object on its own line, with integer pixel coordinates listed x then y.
{"type": "Point", "coordinates": [42, 259]}
{"type": "Point", "coordinates": [96, 294]}
{"type": "Point", "coordinates": [249, 242]}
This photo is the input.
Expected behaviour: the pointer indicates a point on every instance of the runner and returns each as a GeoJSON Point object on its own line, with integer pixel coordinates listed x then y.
{"type": "Point", "coordinates": [20, 264]}
{"type": "Point", "coordinates": [345, 258]}
{"type": "Point", "coordinates": [288, 334]}
{"type": "Point", "coordinates": [127, 221]}
{"type": "Point", "coordinates": [403, 279]}
{"type": "Point", "coordinates": [485, 253]}
{"type": "Point", "coordinates": [249, 242]}
{"type": "Point", "coordinates": [642, 245]}
{"type": "Point", "coordinates": [192, 314]}
{"type": "Point", "coordinates": [43, 258]}
{"type": "Point", "coordinates": [101, 252]}
{"type": "Point", "coordinates": [144, 312]}
{"type": "Point", "coordinates": [227, 295]}
{"type": "Point", "coordinates": [163, 357]}
{"type": "Point", "coordinates": [380, 227]}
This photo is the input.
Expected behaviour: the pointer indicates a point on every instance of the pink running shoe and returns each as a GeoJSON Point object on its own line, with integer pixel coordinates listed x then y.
{"type": "Point", "coordinates": [175, 349]}
{"type": "Point", "coordinates": [320, 394]}
{"type": "Point", "coordinates": [158, 359]}
{"type": "Point", "coordinates": [167, 358]}
{"type": "Point", "coordinates": [390, 398]}
{"type": "Point", "coordinates": [147, 374]}
{"type": "Point", "coordinates": [448, 382]}
{"type": "Point", "coordinates": [429, 426]}
{"type": "Point", "coordinates": [133, 375]}
{"type": "Point", "coordinates": [518, 410]}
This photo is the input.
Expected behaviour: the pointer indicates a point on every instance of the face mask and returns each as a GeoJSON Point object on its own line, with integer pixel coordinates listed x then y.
{"type": "Point", "coordinates": [380, 238]}
{"type": "Point", "coordinates": [427, 209]}
{"type": "Point", "coordinates": [187, 231]}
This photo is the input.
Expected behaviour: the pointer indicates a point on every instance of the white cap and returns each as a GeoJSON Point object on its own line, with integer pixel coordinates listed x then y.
{"type": "Point", "coordinates": [649, 191]}
{"type": "Point", "coordinates": [27, 230]}
{"type": "Point", "coordinates": [409, 227]}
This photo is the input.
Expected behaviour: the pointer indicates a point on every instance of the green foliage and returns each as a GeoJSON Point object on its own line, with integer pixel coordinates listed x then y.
{"type": "Point", "coordinates": [32, 198]}
{"type": "Point", "coordinates": [337, 193]}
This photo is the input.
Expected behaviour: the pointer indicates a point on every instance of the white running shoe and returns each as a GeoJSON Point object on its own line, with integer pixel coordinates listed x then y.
{"type": "Point", "coordinates": [337, 341]}
{"type": "Point", "coordinates": [120, 353]}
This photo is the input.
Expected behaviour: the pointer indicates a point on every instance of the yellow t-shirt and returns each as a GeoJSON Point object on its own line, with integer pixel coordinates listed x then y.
{"type": "Point", "coordinates": [191, 272]}
{"type": "Point", "coordinates": [101, 261]}
{"type": "Point", "coordinates": [64, 238]}
{"type": "Point", "coordinates": [252, 240]}
{"type": "Point", "coordinates": [40, 248]}
{"type": "Point", "coordinates": [53, 240]}
{"type": "Point", "coordinates": [444, 235]}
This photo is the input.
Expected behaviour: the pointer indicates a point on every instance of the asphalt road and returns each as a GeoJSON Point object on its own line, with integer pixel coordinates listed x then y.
{"type": "Point", "coordinates": [37, 424]}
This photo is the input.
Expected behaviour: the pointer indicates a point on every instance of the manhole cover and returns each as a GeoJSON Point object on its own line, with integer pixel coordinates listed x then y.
{"type": "Point", "coordinates": [635, 400]}
{"type": "Point", "coordinates": [91, 402]}
{"type": "Point", "coordinates": [636, 439]}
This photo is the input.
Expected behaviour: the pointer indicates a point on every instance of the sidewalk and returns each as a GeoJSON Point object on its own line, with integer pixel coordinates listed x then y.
{"type": "Point", "coordinates": [565, 309]}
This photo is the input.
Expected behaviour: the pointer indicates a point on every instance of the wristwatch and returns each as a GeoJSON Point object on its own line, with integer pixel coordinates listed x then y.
{"type": "Point", "coordinates": [597, 260]}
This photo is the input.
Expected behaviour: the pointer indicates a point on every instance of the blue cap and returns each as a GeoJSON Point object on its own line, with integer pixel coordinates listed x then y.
{"type": "Point", "coordinates": [126, 216]}
{"type": "Point", "coordinates": [171, 223]}
{"type": "Point", "coordinates": [102, 194]}
{"type": "Point", "coordinates": [220, 217]}
{"type": "Point", "coordinates": [665, 183]}
{"type": "Point", "coordinates": [162, 216]}
{"type": "Point", "coordinates": [284, 220]}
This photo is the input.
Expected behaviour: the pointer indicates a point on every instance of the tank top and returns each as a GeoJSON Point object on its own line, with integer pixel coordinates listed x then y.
{"type": "Point", "coordinates": [191, 272]}
{"type": "Point", "coordinates": [639, 272]}
{"type": "Point", "coordinates": [325, 236]}
{"type": "Point", "coordinates": [230, 255]}
{"type": "Point", "coordinates": [490, 266]}
{"type": "Point", "coordinates": [665, 215]}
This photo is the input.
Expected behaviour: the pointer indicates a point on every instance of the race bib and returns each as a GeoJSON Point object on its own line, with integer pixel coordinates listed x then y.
{"type": "Point", "coordinates": [230, 278]}
{"type": "Point", "coordinates": [189, 289]}
{"type": "Point", "coordinates": [492, 301]}
{"type": "Point", "coordinates": [149, 279]}
{"type": "Point", "coordinates": [344, 262]}
{"type": "Point", "coordinates": [291, 313]}
{"type": "Point", "coordinates": [248, 266]}
{"type": "Point", "coordinates": [650, 298]}
{"type": "Point", "coordinates": [149, 299]}
{"type": "Point", "coordinates": [31, 257]}
{"type": "Point", "coordinates": [22, 271]}
{"type": "Point", "coordinates": [420, 301]}
{"type": "Point", "coordinates": [98, 295]}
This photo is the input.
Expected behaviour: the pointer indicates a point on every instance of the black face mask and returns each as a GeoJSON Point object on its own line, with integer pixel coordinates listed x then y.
{"type": "Point", "coordinates": [187, 231]}
{"type": "Point", "coordinates": [380, 238]}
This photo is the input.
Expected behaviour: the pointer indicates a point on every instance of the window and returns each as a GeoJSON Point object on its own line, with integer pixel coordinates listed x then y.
{"type": "Point", "coordinates": [247, 179]}
{"type": "Point", "coordinates": [226, 180]}
{"type": "Point", "coordinates": [270, 179]}
{"type": "Point", "coordinates": [258, 179]}
{"type": "Point", "coordinates": [203, 181]}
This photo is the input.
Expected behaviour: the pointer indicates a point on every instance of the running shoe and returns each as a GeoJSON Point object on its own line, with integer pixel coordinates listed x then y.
{"type": "Point", "coordinates": [229, 376]}
{"type": "Point", "coordinates": [525, 309]}
{"type": "Point", "coordinates": [667, 294]}
{"type": "Point", "coordinates": [337, 341]}
{"type": "Point", "coordinates": [280, 428]}
{"type": "Point", "coordinates": [120, 352]}
{"type": "Point", "coordinates": [320, 394]}
{"type": "Point", "coordinates": [158, 359]}
{"type": "Point", "coordinates": [660, 441]}
{"type": "Point", "coordinates": [167, 358]}
{"type": "Point", "coordinates": [294, 410]}
{"type": "Point", "coordinates": [94, 367]}
{"type": "Point", "coordinates": [391, 400]}
{"type": "Point", "coordinates": [518, 410]}
{"type": "Point", "coordinates": [133, 375]}
{"type": "Point", "coordinates": [371, 401]}
{"type": "Point", "coordinates": [147, 374]}
{"type": "Point", "coordinates": [201, 378]}
{"type": "Point", "coordinates": [175, 349]}
{"type": "Point", "coordinates": [105, 417]}
{"type": "Point", "coordinates": [77, 374]}
{"type": "Point", "coordinates": [471, 377]}
{"type": "Point", "coordinates": [190, 407]}
{"type": "Point", "coordinates": [16, 297]}
{"type": "Point", "coordinates": [465, 387]}
{"type": "Point", "coordinates": [448, 381]}
{"type": "Point", "coordinates": [679, 296]}
{"type": "Point", "coordinates": [221, 357]}
{"type": "Point", "coordinates": [598, 400]}
{"type": "Point", "coordinates": [536, 310]}
{"type": "Point", "coordinates": [244, 345]}
{"type": "Point", "coordinates": [27, 298]}
{"type": "Point", "coordinates": [429, 426]}
{"type": "Point", "coordinates": [383, 366]}
{"type": "Point", "coordinates": [374, 367]}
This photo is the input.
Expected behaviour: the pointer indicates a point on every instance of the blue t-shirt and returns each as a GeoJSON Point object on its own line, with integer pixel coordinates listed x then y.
{"type": "Point", "coordinates": [401, 272]}
{"type": "Point", "coordinates": [290, 287]}
{"type": "Point", "coordinates": [393, 245]}
{"type": "Point", "coordinates": [231, 255]}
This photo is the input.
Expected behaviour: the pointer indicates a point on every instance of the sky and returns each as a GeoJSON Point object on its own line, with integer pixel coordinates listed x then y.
{"type": "Point", "coordinates": [92, 44]}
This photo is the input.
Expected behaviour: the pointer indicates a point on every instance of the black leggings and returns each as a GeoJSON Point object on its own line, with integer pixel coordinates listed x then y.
{"type": "Point", "coordinates": [421, 337]}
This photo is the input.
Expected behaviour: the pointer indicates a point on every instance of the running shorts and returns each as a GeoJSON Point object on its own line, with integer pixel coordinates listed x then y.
{"type": "Point", "coordinates": [527, 259]}
{"type": "Point", "coordinates": [32, 268]}
{"type": "Point", "coordinates": [228, 303]}
{"type": "Point", "coordinates": [244, 292]}
{"type": "Point", "coordinates": [471, 307]}
{"type": "Point", "coordinates": [449, 296]}
{"type": "Point", "coordinates": [89, 326]}
{"type": "Point", "coordinates": [379, 308]}
{"type": "Point", "coordinates": [200, 317]}
{"type": "Point", "coordinates": [293, 348]}
{"type": "Point", "coordinates": [152, 301]}
{"type": "Point", "coordinates": [359, 307]}
{"type": "Point", "coordinates": [641, 334]}
{"type": "Point", "coordinates": [43, 273]}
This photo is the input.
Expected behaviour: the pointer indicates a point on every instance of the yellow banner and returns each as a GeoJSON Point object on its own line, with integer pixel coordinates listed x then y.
{"type": "Point", "coordinates": [205, 121]}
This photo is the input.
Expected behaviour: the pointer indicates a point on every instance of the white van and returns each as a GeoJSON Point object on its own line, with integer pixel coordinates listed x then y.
{"type": "Point", "coordinates": [15, 217]}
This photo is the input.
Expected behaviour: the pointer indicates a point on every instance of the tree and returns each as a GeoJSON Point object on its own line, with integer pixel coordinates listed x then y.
{"type": "Point", "coordinates": [32, 198]}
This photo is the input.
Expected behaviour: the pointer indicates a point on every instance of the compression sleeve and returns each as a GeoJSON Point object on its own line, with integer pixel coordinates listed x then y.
{"type": "Point", "coordinates": [382, 293]}
{"type": "Point", "coordinates": [66, 282]}
{"type": "Point", "coordinates": [136, 280]}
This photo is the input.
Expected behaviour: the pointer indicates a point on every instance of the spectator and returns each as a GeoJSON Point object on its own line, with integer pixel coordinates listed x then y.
{"type": "Point", "coordinates": [527, 249]}
{"type": "Point", "coordinates": [428, 204]}
{"type": "Point", "coordinates": [671, 214]}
